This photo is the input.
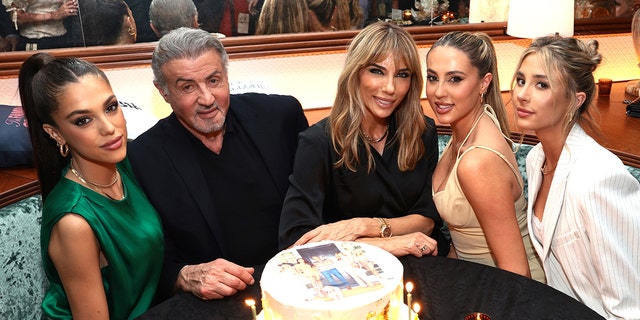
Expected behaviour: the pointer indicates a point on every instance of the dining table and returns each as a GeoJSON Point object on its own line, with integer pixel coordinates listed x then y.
{"type": "Point", "coordinates": [445, 288]}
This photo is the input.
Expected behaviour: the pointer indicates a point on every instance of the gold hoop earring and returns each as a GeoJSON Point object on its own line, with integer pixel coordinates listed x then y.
{"type": "Point", "coordinates": [64, 149]}
{"type": "Point", "coordinates": [131, 31]}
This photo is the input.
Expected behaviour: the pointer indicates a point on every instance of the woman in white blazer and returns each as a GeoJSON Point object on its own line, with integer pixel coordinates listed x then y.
{"type": "Point", "coordinates": [584, 206]}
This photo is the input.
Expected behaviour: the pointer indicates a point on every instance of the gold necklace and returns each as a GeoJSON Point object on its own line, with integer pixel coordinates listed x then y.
{"type": "Point", "coordinates": [372, 140]}
{"type": "Point", "coordinates": [80, 177]}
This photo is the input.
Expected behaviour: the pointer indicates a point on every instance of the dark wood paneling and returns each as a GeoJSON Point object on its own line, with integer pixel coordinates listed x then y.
{"type": "Point", "coordinates": [17, 184]}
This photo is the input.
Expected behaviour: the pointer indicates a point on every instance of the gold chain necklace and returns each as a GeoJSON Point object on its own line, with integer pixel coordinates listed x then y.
{"type": "Point", "coordinates": [372, 140]}
{"type": "Point", "coordinates": [80, 177]}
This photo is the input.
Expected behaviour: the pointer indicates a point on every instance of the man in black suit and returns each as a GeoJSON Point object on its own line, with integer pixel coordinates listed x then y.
{"type": "Point", "coordinates": [219, 203]}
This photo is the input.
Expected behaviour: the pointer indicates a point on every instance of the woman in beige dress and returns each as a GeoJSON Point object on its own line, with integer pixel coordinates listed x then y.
{"type": "Point", "coordinates": [477, 186]}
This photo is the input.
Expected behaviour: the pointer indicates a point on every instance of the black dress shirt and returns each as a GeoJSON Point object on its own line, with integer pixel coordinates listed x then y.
{"type": "Point", "coordinates": [242, 191]}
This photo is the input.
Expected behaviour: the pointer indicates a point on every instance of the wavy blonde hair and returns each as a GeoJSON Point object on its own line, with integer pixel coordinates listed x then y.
{"type": "Point", "coordinates": [373, 44]}
{"type": "Point", "coordinates": [283, 16]}
{"type": "Point", "coordinates": [349, 14]}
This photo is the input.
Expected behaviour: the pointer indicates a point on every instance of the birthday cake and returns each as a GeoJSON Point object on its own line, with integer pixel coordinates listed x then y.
{"type": "Point", "coordinates": [332, 280]}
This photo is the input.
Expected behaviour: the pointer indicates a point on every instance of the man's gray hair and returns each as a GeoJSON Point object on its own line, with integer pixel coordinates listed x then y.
{"type": "Point", "coordinates": [184, 43]}
{"type": "Point", "coordinates": [166, 15]}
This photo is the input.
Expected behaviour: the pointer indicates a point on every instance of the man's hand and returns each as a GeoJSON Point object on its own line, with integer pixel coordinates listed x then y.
{"type": "Point", "coordinates": [214, 280]}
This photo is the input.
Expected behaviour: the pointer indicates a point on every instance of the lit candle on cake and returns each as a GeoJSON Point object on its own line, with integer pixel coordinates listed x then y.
{"type": "Point", "coordinates": [252, 303]}
{"type": "Point", "coordinates": [416, 310]}
{"type": "Point", "coordinates": [409, 288]}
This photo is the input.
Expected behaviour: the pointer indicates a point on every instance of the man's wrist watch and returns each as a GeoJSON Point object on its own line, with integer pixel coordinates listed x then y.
{"type": "Point", "coordinates": [385, 228]}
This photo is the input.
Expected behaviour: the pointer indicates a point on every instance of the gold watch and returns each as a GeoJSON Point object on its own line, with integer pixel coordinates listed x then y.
{"type": "Point", "coordinates": [385, 228]}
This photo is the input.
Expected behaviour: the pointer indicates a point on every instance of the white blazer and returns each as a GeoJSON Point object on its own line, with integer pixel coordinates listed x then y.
{"type": "Point", "coordinates": [590, 246]}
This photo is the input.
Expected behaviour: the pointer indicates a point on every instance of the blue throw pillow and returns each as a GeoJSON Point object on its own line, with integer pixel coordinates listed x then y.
{"type": "Point", "coordinates": [15, 145]}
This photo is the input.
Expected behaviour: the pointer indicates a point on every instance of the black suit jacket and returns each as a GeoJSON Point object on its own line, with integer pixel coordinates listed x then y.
{"type": "Point", "coordinates": [166, 167]}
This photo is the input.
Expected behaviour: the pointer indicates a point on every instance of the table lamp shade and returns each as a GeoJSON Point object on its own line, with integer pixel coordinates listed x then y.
{"type": "Point", "coordinates": [533, 19]}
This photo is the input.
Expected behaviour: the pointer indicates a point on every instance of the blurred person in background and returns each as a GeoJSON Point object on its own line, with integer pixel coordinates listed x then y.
{"type": "Point", "coordinates": [140, 11]}
{"type": "Point", "coordinates": [229, 17]}
{"type": "Point", "coordinates": [41, 22]}
{"type": "Point", "coordinates": [9, 37]}
{"type": "Point", "coordinates": [107, 22]}
{"type": "Point", "coordinates": [284, 16]}
{"type": "Point", "coordinates": [349, 15]}
{"type": "Point", "coordinates": [166, 15]}
{"type": "Point", "coordinates": [322, 15]}
{"type": "Point", "coordinates": [626, 8]}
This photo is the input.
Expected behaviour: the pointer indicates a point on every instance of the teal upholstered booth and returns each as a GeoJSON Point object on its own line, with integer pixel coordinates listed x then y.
{"type": "Point", "coordinates": [22, 279]}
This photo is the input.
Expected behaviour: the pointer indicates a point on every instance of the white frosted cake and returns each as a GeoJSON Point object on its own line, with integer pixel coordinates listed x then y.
{"type": "Point", "coordinates": [332, 280]}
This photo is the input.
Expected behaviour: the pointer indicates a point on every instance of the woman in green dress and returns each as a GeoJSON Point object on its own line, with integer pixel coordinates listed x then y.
{"type": "Point", "coordinates": [101, 240]}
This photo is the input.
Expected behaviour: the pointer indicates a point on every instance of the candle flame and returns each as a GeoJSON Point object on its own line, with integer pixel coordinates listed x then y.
{"type": "Point", "coordinates": [409, 287]}
{"type": "Point", "coordinates": [416, 308]}
{"type": "Point", "coordinates": [250, 302]}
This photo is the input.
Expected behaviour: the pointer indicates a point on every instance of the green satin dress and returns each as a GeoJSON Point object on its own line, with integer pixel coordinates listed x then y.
{"type": "Point", "coordinates": [130, 236]}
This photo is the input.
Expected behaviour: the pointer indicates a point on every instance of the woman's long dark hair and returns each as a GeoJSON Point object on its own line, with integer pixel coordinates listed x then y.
{"type": "Point", "coordinates": [102, 21]}
{"type": "Point", "coordinates": [42, 81]}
